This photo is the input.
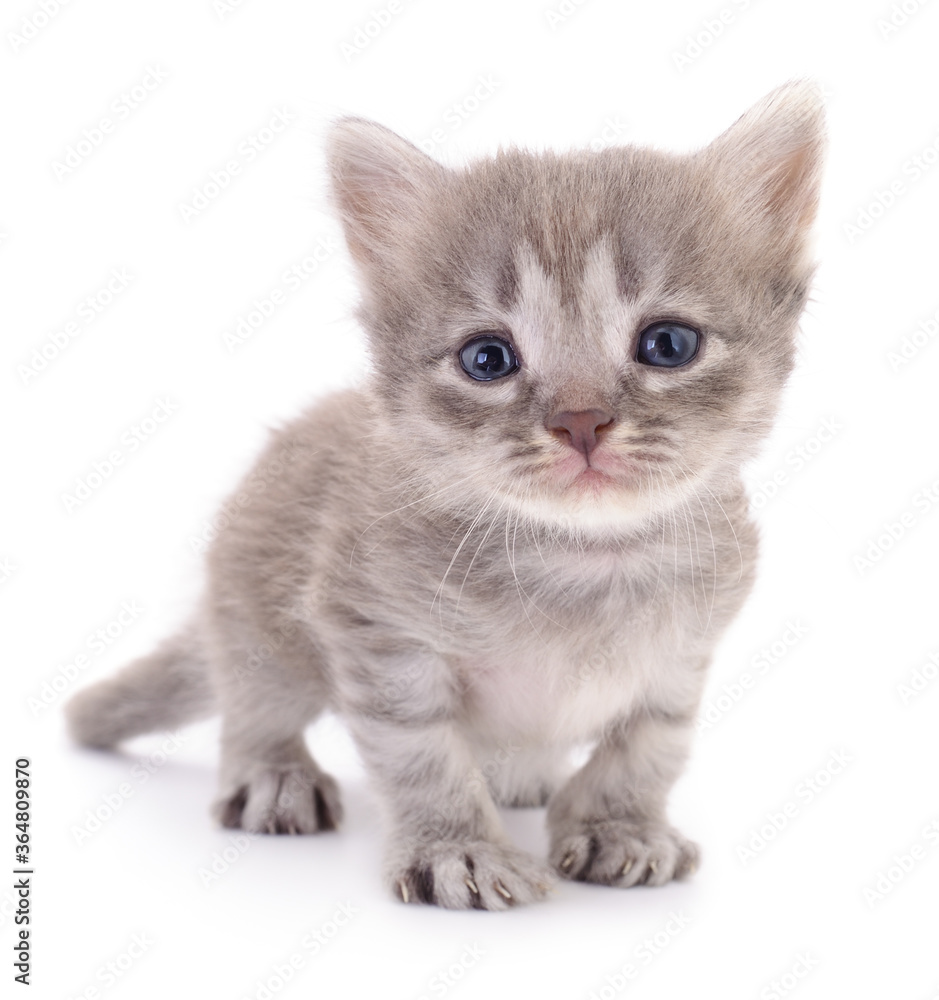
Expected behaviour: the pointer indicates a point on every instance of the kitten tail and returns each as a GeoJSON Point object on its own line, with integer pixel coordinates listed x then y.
{"type": "Point", "coordinates": [166, 689]}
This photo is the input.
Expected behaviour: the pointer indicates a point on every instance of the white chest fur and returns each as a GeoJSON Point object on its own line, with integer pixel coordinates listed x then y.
{"type": "Point", "coordinates": [566, 692]}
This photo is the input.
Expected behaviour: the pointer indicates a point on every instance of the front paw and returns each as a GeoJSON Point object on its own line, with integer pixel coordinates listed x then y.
{"type": "Point", "coordinates": [622, 853]}
{"type": "Point", "coordinates": [294, 799]}
{"type": "Point", "coordinates": [471, 875]}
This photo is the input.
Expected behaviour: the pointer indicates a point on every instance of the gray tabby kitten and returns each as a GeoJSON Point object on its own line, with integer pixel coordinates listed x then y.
{"type": "Point", "coordinates": [526, 530]}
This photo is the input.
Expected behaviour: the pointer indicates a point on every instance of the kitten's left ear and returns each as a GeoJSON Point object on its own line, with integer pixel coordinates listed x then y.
{"type": "Point", "coordinates": [381, 183]}
{"type": "Point", "coordinates": [770, 159]}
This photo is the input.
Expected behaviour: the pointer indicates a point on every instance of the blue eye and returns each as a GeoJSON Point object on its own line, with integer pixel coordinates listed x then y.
{"type": "Point", "coordinates": [488, 358]}
{"type": "Point", "coordinates": [667, 345]}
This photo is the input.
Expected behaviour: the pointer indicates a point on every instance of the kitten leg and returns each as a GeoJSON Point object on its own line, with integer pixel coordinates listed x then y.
{"type": "Point", "coordinates": [446, 843]}
{"type": "Point", "coordinates": [269, 782]}
{"type": "Point", "coordinates": [608, 822]}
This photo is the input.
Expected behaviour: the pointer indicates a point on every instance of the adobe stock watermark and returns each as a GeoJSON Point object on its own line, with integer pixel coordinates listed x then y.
{"type": "Point", "coordinates": [803, 964]}
{"type": "Point", "coordinates": [913, 343]}
{"type": "Point", "coordinates": [886, 197]}
{"type": "Point", "coordinates": [805, 793]}
{"type": "Point", "coordinates": [895, 530]}
{"type": "Point", "coordinates": [109, 973]}
{"type": "Point", "coordinates": [562, 12]}
{"type": "Point", "coordinates": [129, 443]}
{"type": "Point", "coordinates": [110, 804]}
{"type": "Point", "coordinates": [796, 459]}
{"type": "Point", "coordinates": [898, 17]}
{"type": "Point", "coordinates": [266, 475]}
{"type": "Point", "coordinates": [707, 33]}
{"type": "Point", "coordinates": [459, 112]}
{"type": "Point", "coordinates": [222, 8]}
{"type": "Point", "coordinates": [222, 860]}
{"type": "Point", "coordinates": [365, 33]}
{"type": "Point", "coordinates": [902, 864]}
{"type": "Point", "coordinates": [643, 955]}
{"type": "Point", "coordinates": [33, 24]}
{"type": "Point", "coordinates": [102, 638]}
{"type": "Point", "coordinates": [87, 311]}
{"type": "Point", "coordinates": [611, 133]}
{"type": "Point", "coordinates": [920, 680]}
{"type": "Point", "coordinates": [311, 944]}
{"type": "Point", "coordinates": [440, 984]}
{"type": "Point", "coordinates": [609, 655]}
{"type": "Point", "coordinates": [600, 661]}
{"type": "Point", "coordinates": [247, 151]}
{"type": "Point", "coordinates": [259, 655]}
{"type": "Point", "coordinates": [733, 692]}
{"type": "Point", "coordinates": [293, 278]}
{"type": "Point", "coordinates": [120, 111]}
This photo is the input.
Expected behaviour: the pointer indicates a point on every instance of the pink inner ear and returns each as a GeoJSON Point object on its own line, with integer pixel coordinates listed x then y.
{"type": "Point", "coordinates": [378, 180]}
{"type": "Point", "coordinates": [772, 155]}
{"type": "Point", "coordinates": [792, 189]}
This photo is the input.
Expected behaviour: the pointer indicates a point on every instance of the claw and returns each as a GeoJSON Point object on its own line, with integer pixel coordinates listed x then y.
{"type": "Point", "coordinates": [501, 889]}
{"type": "Point", "coordinates": [626, 867]}
{"type": "Point", "coordinates": [472, 886]}
{"type": "Point", "coordinates": [568, 860]}
{"type": "Point", "coordinates": [653, 866]}
{"type": "Point", "coordinates": [405, 895]}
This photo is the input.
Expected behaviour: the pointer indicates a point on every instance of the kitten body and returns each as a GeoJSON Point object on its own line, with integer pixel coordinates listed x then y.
{"type": "Point", "coordinates": [480, 574]}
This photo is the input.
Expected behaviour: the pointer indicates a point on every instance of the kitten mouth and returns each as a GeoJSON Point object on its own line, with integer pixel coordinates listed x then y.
{"type": "Point", "coordinates": [597, 476]}
{"type": "Point", "coordinates": [592, 477]}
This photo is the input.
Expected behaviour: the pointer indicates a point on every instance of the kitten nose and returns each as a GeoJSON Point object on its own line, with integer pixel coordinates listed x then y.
{"type": "Point", "coordinates": [579, 429]}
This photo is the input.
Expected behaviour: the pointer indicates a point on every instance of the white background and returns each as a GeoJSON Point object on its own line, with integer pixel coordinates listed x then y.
{"type": "Point", "coordinates": [605, 72]}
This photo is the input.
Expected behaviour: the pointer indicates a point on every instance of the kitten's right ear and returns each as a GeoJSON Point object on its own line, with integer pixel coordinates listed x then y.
{"type": "Point", "coordinates": [770, 159]}
{"type": "Point", "coordinates": [381, 183]}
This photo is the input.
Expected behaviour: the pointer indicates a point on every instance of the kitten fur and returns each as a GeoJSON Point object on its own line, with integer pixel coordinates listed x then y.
{"type": "Point", "coordinates": [430, 556]}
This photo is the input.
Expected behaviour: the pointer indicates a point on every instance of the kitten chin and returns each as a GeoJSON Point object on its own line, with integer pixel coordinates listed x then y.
{"type": "Point", "coordinates": [587, 507]}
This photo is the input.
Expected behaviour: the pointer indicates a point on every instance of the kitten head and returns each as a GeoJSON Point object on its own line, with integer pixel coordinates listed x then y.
{"type": "Point", "coordinates": [588, 337]}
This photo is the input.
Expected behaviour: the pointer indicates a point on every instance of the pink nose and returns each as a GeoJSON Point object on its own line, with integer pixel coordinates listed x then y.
{"type": "Point", "coordinates": [579, 429]}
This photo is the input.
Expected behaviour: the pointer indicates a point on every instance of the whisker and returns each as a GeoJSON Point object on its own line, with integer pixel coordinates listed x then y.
{"type": "Point", "coordinates": [405, 506]}
{"type": "Point", "coordinates": [492, 524]}
{"type": "Point", "coordinates": [456, 554]}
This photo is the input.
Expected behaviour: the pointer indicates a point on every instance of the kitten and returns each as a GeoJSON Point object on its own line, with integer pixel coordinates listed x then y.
{"type": "Point", "coordinates": [526, 529]}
